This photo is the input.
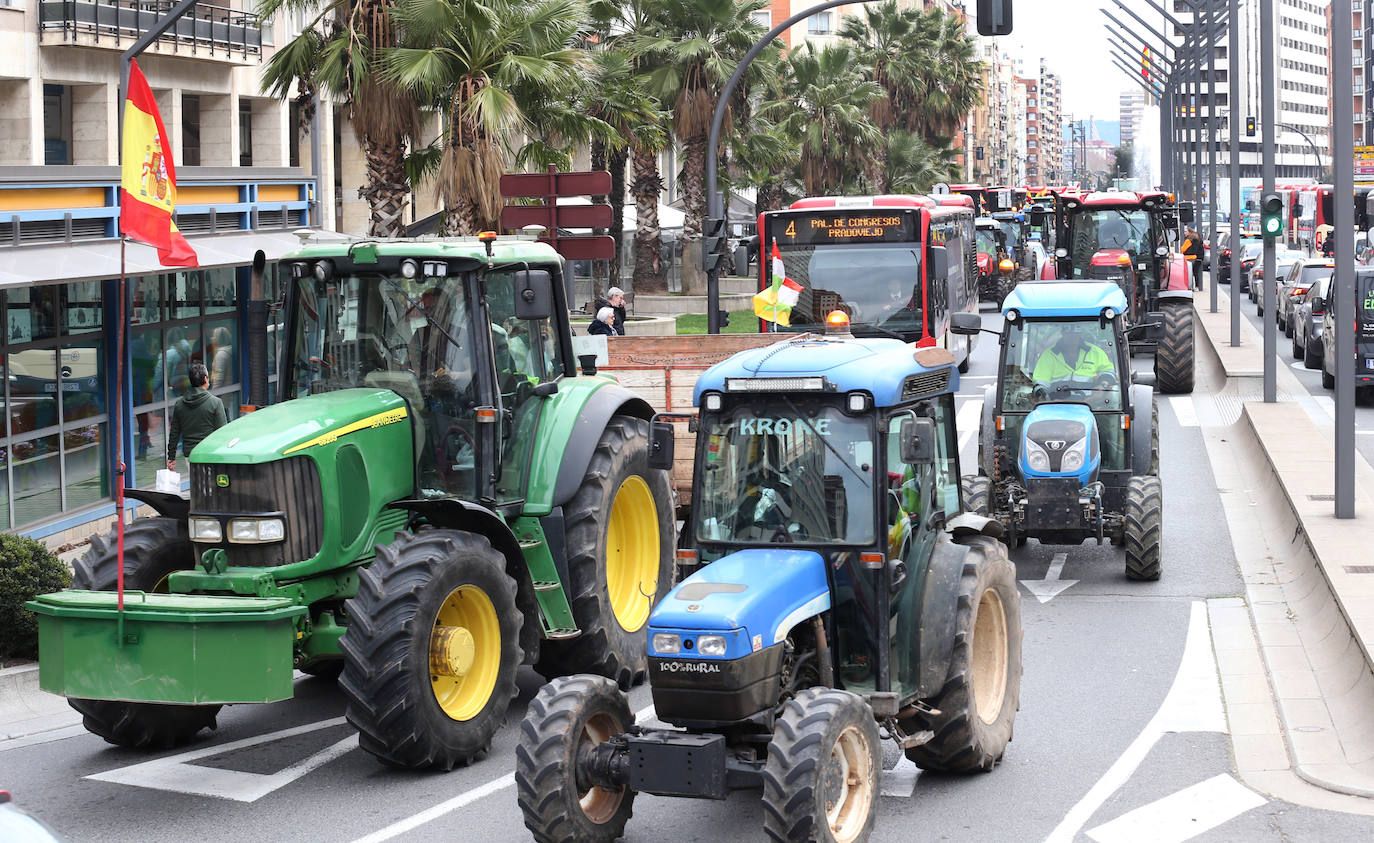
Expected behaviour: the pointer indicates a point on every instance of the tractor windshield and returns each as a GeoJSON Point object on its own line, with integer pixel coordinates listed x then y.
{"type": "Point", "coordinates": [987, 241]}
{"type": "Point", "coordinates": [1011, 230]}
{"type": "Point", "coordinates": [1094, 231]}
{"type": "Point", "coordinates": [876, 284]}
{"type": "Point", "coordinates": [783, 472]}
{"type": "Point", "coordinates": [1056, 361]}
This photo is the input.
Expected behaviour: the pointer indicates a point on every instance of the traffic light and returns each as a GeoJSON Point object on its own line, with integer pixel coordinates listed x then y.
{"type": "Point", "coordinates": [994, 17]}
{"type": "Point", "coordinates": [713, 243]}
{"type": "Point", "coordinates": [1249, 127]}
{"type": "Point", "coordinates": [1271, 215]}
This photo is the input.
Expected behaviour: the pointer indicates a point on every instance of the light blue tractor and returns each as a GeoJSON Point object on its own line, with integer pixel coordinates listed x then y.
{"type": "Point", "coordinates": [1069, 445]}
{"type": "Point", "coordinates": [839, 591]}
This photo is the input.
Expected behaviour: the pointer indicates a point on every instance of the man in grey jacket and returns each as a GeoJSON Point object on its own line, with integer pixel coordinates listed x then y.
{"type": "Point", "coordinates": [195, 416]}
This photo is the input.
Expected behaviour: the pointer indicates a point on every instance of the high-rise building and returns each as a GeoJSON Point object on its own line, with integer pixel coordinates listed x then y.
{"type": "Point", "coordinates": [1034, 164]}
{"type": "Point", "coordinates": [1132, 111]}
{"type": "Point", "coordinates": [1051, 126]}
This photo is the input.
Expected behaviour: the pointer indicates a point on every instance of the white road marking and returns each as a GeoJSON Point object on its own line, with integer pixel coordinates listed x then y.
{"type": "Point", "coordinates": [1193, 704]}
{"type": "Point", "coordinates": [1184, 410]}
{"type": "Point", "coordinates": [461, 800]}
{"type": "Point", "coordinates": [1181, 816]}
{"type": "Point", "coordinates": [966, 421]}
{"type": "Point", "coordinates": [1326, 403]}
{"type": "Point", "coordinates": [1051, 586]}
{"type": "Point", "coordinates": [963, 378]}
{"type": "Point", "coordinates": [175, 773]}
{"type": "Point", "coordinates": [900, 781]}
{"type": "Point", "coordinates": [1300, 366]}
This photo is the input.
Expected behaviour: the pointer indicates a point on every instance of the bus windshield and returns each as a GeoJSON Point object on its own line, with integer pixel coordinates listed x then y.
{"type": "Point", "coordinates": [875, 284]}
{"type": "Point", "coordinates": [1093, 231]}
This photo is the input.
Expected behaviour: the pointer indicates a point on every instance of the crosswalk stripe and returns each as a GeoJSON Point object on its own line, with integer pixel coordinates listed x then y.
{"type": "Point", "coordinates": [1184, 410]}
{"type": "Point", "coordinates": [1183, 815]}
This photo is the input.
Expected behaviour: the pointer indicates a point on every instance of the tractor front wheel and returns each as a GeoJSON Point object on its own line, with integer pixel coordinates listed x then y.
{"type": "Point", "coordinates": [821, 778]}
{"type": "Point", "coordinates": [621, 544]}
{"type": "Point", "coordinates": [431, 650]}
{"type": "Point", "coordinates": [1143, 528]}
{"type": "Point", "coordinates": [566, 719]}
{"type": "Point", "coordinates": [983, 690]}
{"type": "Point", "coordinates": [153, 549]}
{"type": "Point", "coordinates": [1174, 354]}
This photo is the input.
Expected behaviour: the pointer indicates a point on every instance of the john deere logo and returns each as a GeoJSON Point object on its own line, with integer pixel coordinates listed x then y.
{"type": "Point", "coordinates": [222, 481]}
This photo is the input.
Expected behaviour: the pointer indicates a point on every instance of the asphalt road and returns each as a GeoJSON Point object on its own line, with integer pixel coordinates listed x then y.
{"type": "Point", "coordinates": [1090, 759]}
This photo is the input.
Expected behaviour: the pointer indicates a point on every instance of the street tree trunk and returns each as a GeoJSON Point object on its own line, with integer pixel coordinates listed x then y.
{"type": "Point", "coordinates": [616, 160]}
{"type": "Point", "coordinates": [386, 192]}
{"type": "Point", "coordinates": [694, 208]}
{"type": "Point", "coordinates": [646, 188]}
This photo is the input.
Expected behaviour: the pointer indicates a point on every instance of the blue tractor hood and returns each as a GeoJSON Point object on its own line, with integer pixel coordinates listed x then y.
{"type": "Point", "coordinates": [759, 594]}
{"type": "Point", "coordinates": [1058, 430]}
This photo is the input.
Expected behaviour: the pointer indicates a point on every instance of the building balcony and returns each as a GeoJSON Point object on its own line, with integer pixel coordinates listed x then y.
{"type": "Point", "coordinates": [215, 33]}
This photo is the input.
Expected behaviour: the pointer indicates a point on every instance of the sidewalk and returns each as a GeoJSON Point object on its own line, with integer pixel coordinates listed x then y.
{"type": "Point", "coordinates": [1309, 588]}
{"type": "Point", "coordinates": [27, 712]}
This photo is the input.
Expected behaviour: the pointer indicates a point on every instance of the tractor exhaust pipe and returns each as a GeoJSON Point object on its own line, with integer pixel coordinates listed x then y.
{"type": "Point", "coordinates": [257, 332]}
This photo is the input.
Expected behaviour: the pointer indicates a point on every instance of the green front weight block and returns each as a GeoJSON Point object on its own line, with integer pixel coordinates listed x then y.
{"type": "Point", "coordinates": [174, 648]}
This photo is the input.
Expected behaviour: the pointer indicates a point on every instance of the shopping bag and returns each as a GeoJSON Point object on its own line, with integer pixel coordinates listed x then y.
{"type": "Point", "coordinates": [168, 481]}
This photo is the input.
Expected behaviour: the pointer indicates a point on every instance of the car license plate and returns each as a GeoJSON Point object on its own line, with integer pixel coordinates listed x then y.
{"type": "Point", "coordinates": [1369, 364]}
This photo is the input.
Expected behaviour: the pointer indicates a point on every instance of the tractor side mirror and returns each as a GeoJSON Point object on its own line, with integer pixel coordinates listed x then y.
{"type": "Point", "coordinates": [1297, 209]}
{"type": "Point", "coordinates": [918, 441]}
{"type": "Point", "coordinates": [661, 445]}
{"type": "Point", "coordinates": [939, 261]}
{"type": "Point", "coordinates": [1036, 216]}
{"type": "Point", "coordinates": [1162, 251]}
{"type": "Point", "coordinates": [965, 324]}
{"type": "Point", "coordinates": [533, 294]}
{"type": "Point", "coordinates": [1185, 212]}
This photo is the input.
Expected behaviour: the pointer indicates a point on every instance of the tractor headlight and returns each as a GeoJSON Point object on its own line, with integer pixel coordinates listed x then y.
{"type": "Point", "coordinates": [1075, 456]}
{"type": "Point", "coordinates": [1036, 457]}
{"type": "Point", "coordinates": [205, 530]}
{"type": "Point", "coordinates": [667, 643]}
{"type": "Point", "coordinates": [256, 530]}
{"type": "Point", "coordinates": [711, 645]}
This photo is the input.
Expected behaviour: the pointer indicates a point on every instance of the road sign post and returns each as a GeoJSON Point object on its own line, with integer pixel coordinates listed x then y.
{"type": "Point", "coordinates": [1267, 129]}
{"type": "Point", "coordinates": [1343, 283]}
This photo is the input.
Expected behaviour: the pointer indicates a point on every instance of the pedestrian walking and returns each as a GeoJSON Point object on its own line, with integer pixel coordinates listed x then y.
{"type": "Point", "coordinates": [615, 300]}
{"type": "Point", "coordinates": [195, 416]}
{"type": "Point", "coordinates": [1192, 252]}
{"type": "Point", "coordinates": [603, 324]}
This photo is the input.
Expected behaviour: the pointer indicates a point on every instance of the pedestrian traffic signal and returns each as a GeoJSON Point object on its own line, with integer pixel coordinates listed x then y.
{"type": "Point", "coordinates": [1271, 215]}
{"type": "Point", "coordinates": [712, 243]}
{"type": "Point", "coordinates": [1249, 127]}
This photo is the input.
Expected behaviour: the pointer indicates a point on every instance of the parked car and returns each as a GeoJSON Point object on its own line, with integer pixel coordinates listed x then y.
{"type": "Point", "coordinates": [1295, 285]}
{"type": "Point", "coordinates": [1364, 337]}
{"type": "Point", "coordinates": [1251, 253]}
{"type": "Point", "coordinates": [1307, 323]}
{"type": "Point", "coordinates": [1283, 264]}
{"type": "Point", "coordinates": [1229, 242]}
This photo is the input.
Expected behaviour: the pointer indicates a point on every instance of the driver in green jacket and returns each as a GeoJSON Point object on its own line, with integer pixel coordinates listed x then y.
{"type": "Point", "coordinates": [1089, 362]}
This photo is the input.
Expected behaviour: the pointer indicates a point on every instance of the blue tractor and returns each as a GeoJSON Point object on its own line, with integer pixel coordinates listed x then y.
{"type": "Point", "coordinates": [1069, 444]}
{"type": "Point", "coordinates": [839, 593]}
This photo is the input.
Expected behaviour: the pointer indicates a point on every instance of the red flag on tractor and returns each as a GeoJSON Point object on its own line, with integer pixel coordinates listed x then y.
{"type": "Point", "coordinates": [148, 183]}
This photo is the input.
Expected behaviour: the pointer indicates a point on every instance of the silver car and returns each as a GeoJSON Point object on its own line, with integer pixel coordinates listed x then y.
{"type": "Point", "coordinates": [1307, 323]}
{"type": "Point", "coordinates": [1295, 285]}
{"type": "Point", "coordinates": [1283, 264]}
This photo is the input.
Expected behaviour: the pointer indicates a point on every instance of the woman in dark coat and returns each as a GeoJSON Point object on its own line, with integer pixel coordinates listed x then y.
{"type": "Point", "coordinates": [602, 324]}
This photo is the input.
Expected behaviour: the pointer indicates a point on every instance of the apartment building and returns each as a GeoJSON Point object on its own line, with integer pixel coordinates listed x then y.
{"type": "Point", "coordinates": [1132, 113]}
{"type": "Point", "coordinates": [1051, 125]}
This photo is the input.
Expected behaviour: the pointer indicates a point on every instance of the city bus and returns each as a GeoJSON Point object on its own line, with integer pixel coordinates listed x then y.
{"type": "Point", "coordinates": [1296, 204]}
{"type": "Point", "coordinates": [898, 265]}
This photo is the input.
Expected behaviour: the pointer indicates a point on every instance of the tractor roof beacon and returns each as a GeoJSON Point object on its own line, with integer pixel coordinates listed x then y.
{"type": "Point", "coordinates": [437, 498]}
{"type": "Point", "coordinates": [842, 591]}
{"type": "Point", "coordinates": [1069, 446]}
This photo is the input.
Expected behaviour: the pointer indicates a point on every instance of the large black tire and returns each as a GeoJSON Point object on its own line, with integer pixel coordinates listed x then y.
{"type": "Point", "coordinates": [1297, 347]}
{"type": "Point", "coordinates": [1154, 438]}
{"type": "Point", "coordinates": [613, 590]}
{"type": "Point", "coordinates": [823, 739]}
{"type": "Point", "coordinates": [1144, 528]}
{"type": "Point", "coordinates": [153, 548]}
{"type": "Point", "coordinates": [1174, 354]}
{"type": "Point", "coordinates": [1312, 355]}
{"type": "Point", "coordinates": [566, 718]}
{"type": "Point", "coordinates": [1328, 378]}
{"type": "Point", "coordinates": [983, 688]}
{"type": "Point", "coordinates": [392, 693]}
{"type": "Point", "coordinates": [976, 489]}
{"type": "Point", "coordinates": [968, 355]}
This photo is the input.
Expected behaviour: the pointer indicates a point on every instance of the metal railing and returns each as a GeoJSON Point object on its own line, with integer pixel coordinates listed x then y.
{"type": "Point", "coordinates": [207, 30]}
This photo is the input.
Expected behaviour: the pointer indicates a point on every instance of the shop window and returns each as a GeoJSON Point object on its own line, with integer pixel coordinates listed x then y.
{"type": "Point", "coordinates": [222, 353]}
{"type": "Point", "coordinates": [31, 315]}
{"type": "Point", "coordinates": [81, 373]}
{"type": "Point", "coordinates": [81, 310]}
{"type": "Point", "coordinates": [147, 297]}
{"type": "Point", "coordinates": [185, 294]}
{"type": "Point", "coordinates": [86, 463]}
{"type": "Point", "coordinates": [219, 290]}
{"type": "Point", "coordinates": [36, 479]}
{"type": "Point", "coordinates": [182, 349]}
{"type": "Point", "coordinates": [32, 390]}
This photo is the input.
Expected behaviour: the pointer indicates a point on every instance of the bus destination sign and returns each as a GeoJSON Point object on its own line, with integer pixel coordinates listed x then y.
{"type": "Point", "coordinates": [847, 226]}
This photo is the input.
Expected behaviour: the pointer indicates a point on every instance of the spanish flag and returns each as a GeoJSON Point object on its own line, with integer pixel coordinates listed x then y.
{"type": "Point", "coordinates": [148, 187]}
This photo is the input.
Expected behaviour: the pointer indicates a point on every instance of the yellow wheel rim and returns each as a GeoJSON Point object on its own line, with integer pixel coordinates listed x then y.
{"type": "Point", "coordinates": [990, 657]}
{"type": "Point", "coordinates": [464, 652]}
{"type": "Point", "coordinates": [632, 553]}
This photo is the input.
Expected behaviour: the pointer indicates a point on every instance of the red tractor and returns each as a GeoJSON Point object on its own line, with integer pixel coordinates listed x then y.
{"type": "Point", "coordinates": [1097, 229]}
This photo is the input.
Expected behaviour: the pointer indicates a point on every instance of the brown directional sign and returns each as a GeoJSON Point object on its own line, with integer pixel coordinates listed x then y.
{"type": "Point", "coordinates": [591, 183]}
{"type": "Point", "coordinates": [569, 216]}
{"type": "Point", "coordinates": [591, 247]}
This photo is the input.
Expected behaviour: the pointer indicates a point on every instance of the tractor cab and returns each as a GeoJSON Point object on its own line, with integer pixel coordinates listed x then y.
{"type": "Point", "coordinates": [1067, 431]}
{"type": "Point", "coordinates": [996, 261]}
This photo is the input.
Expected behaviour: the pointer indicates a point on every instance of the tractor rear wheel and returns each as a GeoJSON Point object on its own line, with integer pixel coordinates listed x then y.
{"type": "Point", "coordinates": [1174, 354]}
{"type": "Point", "coordinates": [566, 719]}
{"type": "Point", "coordinates": [1143, 527]}
{"type": "Point", "coordinates": [153, 549]}
{"type": "Point", "coordinates": [431, 649]}
{"type": "Point", "coordinates": [976, 490]}
{"type": "Point", "coordinates": [821, 778]}
{"type": "Point", "coordinates": [983, 690]}
{"type": "Point", "coordinates": [621, 545]}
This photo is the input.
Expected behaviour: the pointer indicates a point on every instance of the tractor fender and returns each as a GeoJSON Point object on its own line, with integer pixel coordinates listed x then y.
{"type": "Point", "coordinates": [1142, 424]}
{"type": "Point", "coordinates": [763, 591]}
{"type": "Point", "coordinates": [934, 645]}
{"type": "Point", "coordinates": [970, 524]}
{"type": "Point", "coordinates": [587, 422]}
{"type": "Point", "coordinates": [163, 503]}
{"type": "Point", "coordinates": [1047, 272]}
{"type": "Point", "coordinates": [1179, 277]}
{"type": "Point", "coordinates": [1175, 296]}
{"type": "Point", "coordinates": [474, 518]}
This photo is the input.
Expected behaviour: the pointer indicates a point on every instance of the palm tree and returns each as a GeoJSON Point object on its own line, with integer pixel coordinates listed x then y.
{"type": "Point", "coordinates": [914, 166]}
{"type": "Point", "coordinates": [691, 48]}
{"type": "Point", "coordinates": [340, 53]}
{"type": "Point", "coordinates": [486, 66]}
{"type": "Point", "coordinates": [766, 158]}
{"type": "Point", "coordinates": [825, 104]}
{"type": "Point", "coordinates": [947, 80]}
{"type": "Point", "coordinates": [884, 38]}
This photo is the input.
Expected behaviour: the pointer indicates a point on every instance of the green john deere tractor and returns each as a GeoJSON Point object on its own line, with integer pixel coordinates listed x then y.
{"type": "Point", "coordinates": [439, 498]}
